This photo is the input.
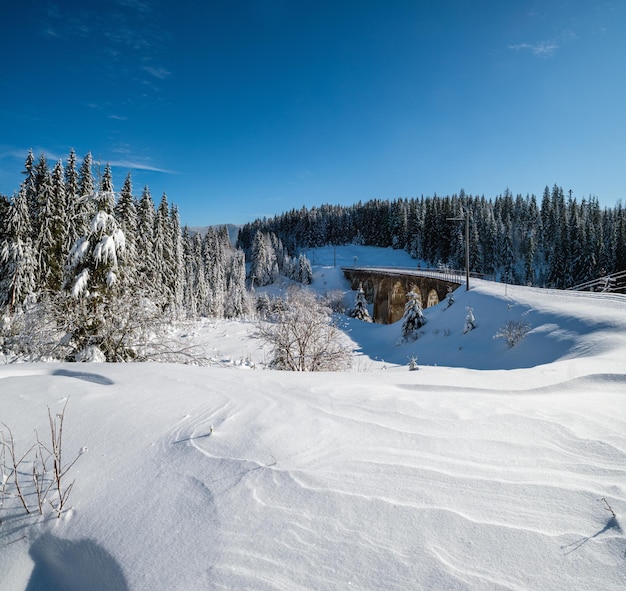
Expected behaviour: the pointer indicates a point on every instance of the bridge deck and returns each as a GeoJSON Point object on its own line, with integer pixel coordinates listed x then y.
{"type": "Point", "coordinates": [449, 275]}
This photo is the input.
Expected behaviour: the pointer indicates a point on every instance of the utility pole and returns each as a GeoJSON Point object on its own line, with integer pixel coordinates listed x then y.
{"type": "Point", "coordinates": [465, 217]}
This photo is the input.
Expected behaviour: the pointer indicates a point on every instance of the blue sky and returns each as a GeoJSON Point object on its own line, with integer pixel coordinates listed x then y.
{"type": "Point", "coordinates": [242, 109]}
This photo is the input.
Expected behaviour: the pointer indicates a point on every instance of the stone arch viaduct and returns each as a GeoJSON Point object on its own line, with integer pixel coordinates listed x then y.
{"type": "Point", "coordinates": [387, 288]}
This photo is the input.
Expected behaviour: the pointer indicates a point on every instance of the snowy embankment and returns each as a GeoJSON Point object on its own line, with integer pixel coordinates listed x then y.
{"type": "Point", "coordinates": [489, 468]}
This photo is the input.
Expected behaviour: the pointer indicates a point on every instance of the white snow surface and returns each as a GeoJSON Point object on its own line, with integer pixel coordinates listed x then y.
{"type": "Point", "coordinates": [488, 468]}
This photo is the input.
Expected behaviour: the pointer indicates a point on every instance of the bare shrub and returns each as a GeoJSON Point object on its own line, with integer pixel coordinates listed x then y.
{"type": "Point", "coordinates": [513, 332]}
{"type": "Point", "coordinates": [57, 480]}
{"type": "Point", "coordinates": [303, 336]}
{"type": "Point", "coordinates": [47, 468]}
{"type": "Point", "coordinates": [335, 301]}
{"type": "Point", "coordinates": [11, 462]}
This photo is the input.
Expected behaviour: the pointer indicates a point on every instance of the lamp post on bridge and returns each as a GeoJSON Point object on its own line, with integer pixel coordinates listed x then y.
{"type": "Point", "coordinates": [465, 217]}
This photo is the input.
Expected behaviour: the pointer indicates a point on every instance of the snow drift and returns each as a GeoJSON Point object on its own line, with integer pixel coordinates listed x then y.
{"type": "Point", "coordinates": [488, 468]}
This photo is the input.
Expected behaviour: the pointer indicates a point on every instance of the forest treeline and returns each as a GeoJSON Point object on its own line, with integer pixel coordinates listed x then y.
{"type": "Point", "coordinates": [558, 241]}
{"type": "Point", "coordinates": [54, 215]}
{"type": "Point", "coordinates": [95, 265]}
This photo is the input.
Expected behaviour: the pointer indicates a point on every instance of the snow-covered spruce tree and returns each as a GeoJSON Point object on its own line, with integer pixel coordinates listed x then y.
{"type": "Point", "coordinates": [146, 265]}
{"type": "Point", "coordinates": [305, 272]}
{"type": "Point", "coordinates": [92, 302]}
{"type": "Point", "coordinates": [297, 268]}
{"type": "Point", "coordinates": [360, 310]}
{"type": "Point", "coordinates": [125, 213]}
{"type": "Point", "coordinates": [105, 198]}
{"type": "Point", "coordinates": [303, 336]}
{"type": "Point", "coordinates": [470, 321]}
{"type": "Point", "coordinates": [39, 187]}
{"type": "Point", "coordinates": [196, 286]}
{"type": "Point", "coordinates": [51, 241]}
{"type": "Point", "coordinates": [214, 255]}
{"type": "Point", "coordinates": [263, 263]}
{"type": "Point", "coordinates": [237, 301]}
{"type": "Point", "coordinates": [29, 185]}
{"type": "Point", "coordinates": [72, 198]}
{"type": "Point", "coordinates": [17, 255]}
{"type": "Point", "coordinates": [86, 207]}
{"type": "Point", "coordinates": [413, 318]}
{"type": "Point", "coordinates": [450, 296]}
{"type": "Point", "coordinates": [177, 263]}
{"type": "Point", "coordinates": [164, 258]}
{"type": "Point", "coordinates": [5, 204]}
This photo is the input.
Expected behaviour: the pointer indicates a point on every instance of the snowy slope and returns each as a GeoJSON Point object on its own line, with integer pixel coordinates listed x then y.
{"type": "Point", "coordinates": [485, 469]}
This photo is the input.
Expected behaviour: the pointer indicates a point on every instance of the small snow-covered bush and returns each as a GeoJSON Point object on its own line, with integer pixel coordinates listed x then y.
{"type": "Point", "coordinates": [334, 300]}
{"type": "Point", "coordinates": [513, 332]}
{"type": "Point", "coordinates": [450, 297]}
{"type": "Point", "coordinates": [303, 336]}
{"type": "Point", "coordinates": [91, 354]}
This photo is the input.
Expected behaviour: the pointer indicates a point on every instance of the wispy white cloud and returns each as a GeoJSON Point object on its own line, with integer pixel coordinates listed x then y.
{"type": "Point", "coordinates": [138, 165]}
{"type": "Point", "coordinates": [138, 5]}
{"type": "Point", "coordinates": [540, 49]}
{"type": "Point", "coordinates": [160, 73]}
{"type": "Point", "coordinates": [130, 163]}
{"type": "Point", "coordinates": [118, 117]}
{"type": "Point", "coordinates": [51, 32]}
{"type": "Point", "coordinates": [22, 153]}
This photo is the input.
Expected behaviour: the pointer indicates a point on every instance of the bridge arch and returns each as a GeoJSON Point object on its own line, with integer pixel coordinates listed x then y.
{"type": "Point", "coordinates": [387, 289]}
{"type": "Point", "coordinates": [433, 298]}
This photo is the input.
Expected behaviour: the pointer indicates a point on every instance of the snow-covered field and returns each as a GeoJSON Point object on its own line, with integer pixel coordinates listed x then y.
{"type": "Point", "coordinates": [488, 468]}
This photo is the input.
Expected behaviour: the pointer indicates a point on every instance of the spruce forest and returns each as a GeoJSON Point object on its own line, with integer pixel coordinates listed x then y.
{"type": "Point", "coordinates": [557, 243]}
{"type": "Point", "coordinates": [86, 271]}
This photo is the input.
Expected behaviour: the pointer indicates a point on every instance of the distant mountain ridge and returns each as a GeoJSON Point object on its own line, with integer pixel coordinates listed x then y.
{"type": "Point", "coordinates": [233, 230]}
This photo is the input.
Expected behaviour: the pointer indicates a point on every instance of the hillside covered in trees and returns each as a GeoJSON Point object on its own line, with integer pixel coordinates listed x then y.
{"type": "Point", "coordinates": [86, 268]}
{"type": "Point", "coordinates": [557, 242]}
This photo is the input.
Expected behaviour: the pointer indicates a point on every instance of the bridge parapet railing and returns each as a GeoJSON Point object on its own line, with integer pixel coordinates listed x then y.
{"type": "Point", "coordinates": [444, 273]}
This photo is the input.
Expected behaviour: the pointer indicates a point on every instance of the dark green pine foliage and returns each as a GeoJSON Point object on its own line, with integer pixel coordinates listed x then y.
{"type": "Point", "coordinates": [507, 253]}
{"type": "Point", "coordinates": [17, 254]}
{"type": "Point", "coordinates": [214, 255]}
{"type": "Point", "coordinates": [42, 229]}
{"type": "Point", "coordinates": [87, 206]}
{"type": "Point", "coordinates": [490, 243]}
{"type": "Point", "coordinates": [144, 242]}
{"type": "Point", "coordinates": [195, 289]}
{"type": "Point", "coordinates": [475, 251]}
{"type": "Point", "coordinates": [164, 256]}
{"type": "Point", "coordinates": [38, 192]}
{"type": "Point", "coordinates": [105, 200]}
{"type": "Point", "coordinates": [29, 186]}
{"type": "Point", "coordinates": [620, 238]}
{"type": "Point", "coordinates": [52, 245]}
{"type": "Point", "coordinates": [177, 271]}
{"type": "Point", "coordinates": [125, 212]}
{"type": "Point", "coordinates": [74, 214]}
{"type": "Point", "coordinates": [528, 254]}
{"type": "Point", "coordinates": [236, 300]}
